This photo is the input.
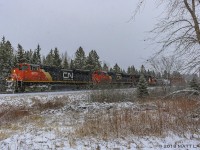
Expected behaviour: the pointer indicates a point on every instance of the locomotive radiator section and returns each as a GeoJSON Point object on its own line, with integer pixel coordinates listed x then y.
{"type": "Point", "coordinates": [76, 79]}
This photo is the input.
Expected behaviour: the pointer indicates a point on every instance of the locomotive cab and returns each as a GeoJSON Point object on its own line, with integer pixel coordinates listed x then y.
{"type": "Point", "coordinates": [25, 75]}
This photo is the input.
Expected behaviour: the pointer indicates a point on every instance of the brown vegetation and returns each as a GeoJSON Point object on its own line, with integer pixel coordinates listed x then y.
{"type": "Point", "coordinates": [10, 113]}
{"type": "Point", "coordinates": [111, 96]}
{"type": "Point", "coordinates": [152, 118]}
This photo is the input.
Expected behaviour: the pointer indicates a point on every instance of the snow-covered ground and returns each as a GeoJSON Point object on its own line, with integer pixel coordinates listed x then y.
{"type": "Point", "coordinates": [53, 129]}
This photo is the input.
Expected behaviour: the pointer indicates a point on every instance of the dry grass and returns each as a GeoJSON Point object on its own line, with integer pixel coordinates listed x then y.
{"type": "Point", "coordinates": [111, 96]}
{"type": "Point", "coordinates": [3, 135]}
{"type": "Point", "coordinates": [168, 116]}
{"type": "Point", "coordinates": [9, 114]}
{"type": "Point", "coordinates": [48, 105]}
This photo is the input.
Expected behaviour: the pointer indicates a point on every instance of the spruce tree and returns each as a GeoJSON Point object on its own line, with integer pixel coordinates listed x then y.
{"type": "Point", "coordinates": [96, 60]}
{"type": "Point", "coordinates": [20, 54]}
{"type": "Point", "coordinates": [92, 61]}
{"type": "Point", "coordinates": [28, 56]}
{"type": "Point", "coordinates": [72, 65]}
{"type": "Point", "coordinates": [65, 63]}
{"type": "Point", "coordinates": [37, 55]}
{"type": "Point", "coordinates": [34, 59]}
{"type": "Point", "coordinates": [49, 59]}
{"type": "Point", "coordinates": [116, 68]}
{"type": "Point", "coordinates": [80, 59]}
{"type": "Point", "coordinates": [105, 67]}
{"type": "Point", "coordinates": [6, 58]}
{"type": "Point", "coordinates": [57, 61]}
{"type": "Point", "coordinates": [142, 85]}
{"type": "Point", "coordinates": [131, 70]}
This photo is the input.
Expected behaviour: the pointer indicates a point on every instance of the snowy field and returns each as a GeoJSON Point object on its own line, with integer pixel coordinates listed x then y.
{"type": "Point", "coordinates": [56, 128]}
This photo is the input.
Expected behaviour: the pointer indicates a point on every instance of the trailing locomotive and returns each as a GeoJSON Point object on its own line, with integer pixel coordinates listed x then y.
{"type": "Point", "coordinates": [46, 77]}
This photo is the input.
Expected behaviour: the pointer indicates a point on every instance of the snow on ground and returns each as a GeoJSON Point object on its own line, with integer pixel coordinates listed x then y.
{"type": "Point", "coordinates": [53, 128]}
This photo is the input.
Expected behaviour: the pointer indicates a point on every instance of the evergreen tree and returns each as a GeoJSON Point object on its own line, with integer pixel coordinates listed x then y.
{"type": "Point", "coordinates": [72, 65]}
{"type": "Point", "coordinates": [105, 67]}
{"type": "Point", "coordinates": [65, 64]}
{"type": "Point", "coordinates": [116, 68]}
{"type": "Point", "coordinates": [57, 61]}
{"type": "Point", "coordinates": [28, 56]}
{"type": "Point", "coordinates": [194, 84]}
{"type": "Point", "coordinates": [80, 59]}
{"type": "Point", "coordinates": [20, 54]}
{"type": "Point", "coordinates": [37, 55]}
{"type": "Point", "coordinates": [96, 60]}
{"type": "Point", "coordinates": [92, 61]}
{"type": "Point", "coordinates": [131, 70]}
{"type": "Point", "coordinates": [49, 59]}
{"type": "Point", "coordinates": [15, 62]}
{"type": "Point", "coordinates": [6, 58]}
{"type": "Point", "coordinates": [142, 90]}
{"type": "Point", "coordinates": [143, 70]}
{"type": "Point", "coordinates": [111, 70]}
{"type": "Point", "coordinates": [34, 59]}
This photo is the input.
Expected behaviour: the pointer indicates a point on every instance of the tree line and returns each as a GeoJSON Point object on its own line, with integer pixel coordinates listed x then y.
{"type": "Point", "coordinates": [9, 58]}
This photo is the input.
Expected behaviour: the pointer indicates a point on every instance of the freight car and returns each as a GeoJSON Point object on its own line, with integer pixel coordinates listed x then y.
{"type": "Point", "coordinates": [27, 76]}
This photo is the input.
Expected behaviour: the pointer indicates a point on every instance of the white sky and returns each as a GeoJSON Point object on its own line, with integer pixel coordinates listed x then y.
{"type": "Point", "coordinates": [100, 25]}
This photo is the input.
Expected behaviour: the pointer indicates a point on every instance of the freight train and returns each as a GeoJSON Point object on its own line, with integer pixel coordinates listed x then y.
{"type": "Point", "coordinates": [27, 76]}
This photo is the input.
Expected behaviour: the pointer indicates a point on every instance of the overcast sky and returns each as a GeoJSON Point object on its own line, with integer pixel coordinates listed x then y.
{"type": "Point", "coordinates": [101, 25]}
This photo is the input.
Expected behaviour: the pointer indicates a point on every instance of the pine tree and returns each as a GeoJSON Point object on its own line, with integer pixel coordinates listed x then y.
{"type": "Point", "coordinates": [34, 57]}
{"type": "Point", "coordinates": [80, 59]}
{"type": "Point", "coordinates": [28, 56]}
{"type": "Point", "coordinates": [105, 67]}
{"type": "Point", "coordinates": [131, 70]}
{"type": "Point", "coordinates": [116, 68]}
{"type": "Point", "coordinates": [20, 54]}
{"type": "Point", "coordinates": [142, 85]}
{"type": "Point", "coordinates": [49, 59]}
{"type": "Point", "coordinates": [143, 70]}
{"type": "Point", "coordinates": [72, 65]}
{"type": "Point", "coordinates": [57, 61]}
{"type": "Point", "coordinates": [37, 54]}
{"type": "Point", "coordinates": [142, 90]}
{"type": "Point", "coordinates": [96, 60]}
{"type": "Point", "coordinates": [92, 61]}
{"type": "Point", "coordinates": [6, 58]}
{"type": "Point", "coordinates": [65, 64]}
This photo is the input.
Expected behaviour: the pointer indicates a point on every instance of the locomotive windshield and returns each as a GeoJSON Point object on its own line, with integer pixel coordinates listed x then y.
{"type": "Point", "coordinates": [34, 67]}
{"type": "Point", "coordinates": [23, 67]}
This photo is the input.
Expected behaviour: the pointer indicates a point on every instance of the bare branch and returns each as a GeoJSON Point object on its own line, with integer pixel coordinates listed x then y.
{"type": "Point", "coordinates": [178, 30]}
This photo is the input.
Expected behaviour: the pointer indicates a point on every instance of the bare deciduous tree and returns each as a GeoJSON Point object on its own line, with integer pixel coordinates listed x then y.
{"type": "Point", "coordinates": [179, 30]}
{"type": "Point", "coordinates": [166, 63]}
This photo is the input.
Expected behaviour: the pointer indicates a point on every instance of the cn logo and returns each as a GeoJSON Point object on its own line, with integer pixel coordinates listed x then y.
{"type": "Point", "coordinates": [68, 75]}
